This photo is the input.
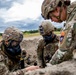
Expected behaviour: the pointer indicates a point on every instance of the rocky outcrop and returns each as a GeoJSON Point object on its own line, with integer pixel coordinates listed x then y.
{"type": "Point", "coordinates": [65, 68]}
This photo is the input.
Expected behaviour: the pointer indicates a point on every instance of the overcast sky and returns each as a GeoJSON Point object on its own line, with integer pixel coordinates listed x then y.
{"type": "Point", "coordinates": [24, 14]}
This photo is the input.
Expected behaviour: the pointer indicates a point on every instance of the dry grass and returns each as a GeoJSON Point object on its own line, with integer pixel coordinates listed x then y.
{"type": "Point", "coordinates": [31, 35]}
{"type": "Point", "coordinates": [26, 35]}
{"type": "Point", "coordinates": [37, 34]}
{"type": "Point", "coordinates": [0, 37]}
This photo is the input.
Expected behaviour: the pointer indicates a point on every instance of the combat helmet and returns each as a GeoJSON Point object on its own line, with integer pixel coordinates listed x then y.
{"type": "Point", "coordinates": [50, 5]}
{"type": "Point", "coordinates": [12, 33]}
{"type": "Point", "coordinates": [46, 27]}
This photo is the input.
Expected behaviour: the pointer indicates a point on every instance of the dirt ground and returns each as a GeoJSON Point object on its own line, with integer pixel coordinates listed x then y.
{"type": "Point", "coordinates": [30, 46]}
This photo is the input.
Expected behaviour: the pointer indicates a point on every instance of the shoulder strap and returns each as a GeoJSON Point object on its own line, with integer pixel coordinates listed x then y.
{"type": "Point", "coordinates": [74, 27]}
{"type": "Point", "coordinates": [73, 12]}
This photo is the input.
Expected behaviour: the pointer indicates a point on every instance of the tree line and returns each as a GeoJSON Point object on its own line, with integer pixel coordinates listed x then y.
{"type": "Point", "coordinates": [31, 31]}
{"type": "Point", "coordinates": [34, 31]}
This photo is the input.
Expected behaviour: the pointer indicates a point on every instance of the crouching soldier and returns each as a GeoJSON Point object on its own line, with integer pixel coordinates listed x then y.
{"type": "Point", "coordinates": [11, 60]}
{"type": "Point", "coordinates": [48, 45]}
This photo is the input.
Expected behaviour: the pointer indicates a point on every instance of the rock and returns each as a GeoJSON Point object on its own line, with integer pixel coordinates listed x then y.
{"type": "Point", "coordinates": [65, 68]}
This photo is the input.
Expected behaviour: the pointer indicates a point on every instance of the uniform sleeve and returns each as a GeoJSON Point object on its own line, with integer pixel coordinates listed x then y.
{"type": "Point", "coordinates": [40, 55]}
{"type": "Point", "coordinates": [4, 70]}
{"type": "Point", "coordinates": [64, 46]}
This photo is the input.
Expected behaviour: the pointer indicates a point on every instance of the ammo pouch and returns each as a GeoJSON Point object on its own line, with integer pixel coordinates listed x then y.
{"type": "Point", "coordinates": [22, 63]}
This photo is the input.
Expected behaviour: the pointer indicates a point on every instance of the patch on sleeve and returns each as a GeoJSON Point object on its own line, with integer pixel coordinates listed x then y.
{"type": "Point", "coordinates": [62, 36]}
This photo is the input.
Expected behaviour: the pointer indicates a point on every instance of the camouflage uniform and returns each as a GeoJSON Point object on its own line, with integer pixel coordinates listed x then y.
{"type": "Point", "coordinates": [9, 64]}
{"type": "Point", "coordinates": [67, 42]}
{"type": "Point", "coordinates": [66, 45]}
{"type": "Point", "coordinates": [46, 50]}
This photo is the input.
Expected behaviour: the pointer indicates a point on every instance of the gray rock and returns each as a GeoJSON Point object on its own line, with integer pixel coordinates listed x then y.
{"type": "Point", "coordinates": [65, 68]}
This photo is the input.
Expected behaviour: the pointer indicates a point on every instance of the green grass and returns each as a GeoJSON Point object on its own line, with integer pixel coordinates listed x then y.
{"type": "Point", "coordinates": [37, 34]}
{"type": "Point", "coordinates": [57, 32]}
{"type": "Point", "coordinates": [26, 35]}
{"type": "Point", "coordinates": [31, 34]}
{"type": "Point", "coordinates": [0, 37]}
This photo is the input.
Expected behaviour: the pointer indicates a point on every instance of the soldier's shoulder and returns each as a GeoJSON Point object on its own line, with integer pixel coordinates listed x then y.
{"type": "Point", "coordinates": [73, 4]}
{"type": "Point", "coordinates": [41, 41]}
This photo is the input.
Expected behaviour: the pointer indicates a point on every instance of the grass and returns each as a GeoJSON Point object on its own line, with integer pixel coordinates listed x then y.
{"type": "Point", "coordinates": [0, 37]}
{"type": "Point", "coordinates": [36, 34]}
{"type": "Point", "coordinates": [26, 35]}
{"type": "Point", "coordinates": [31, 34]}
{"type": "Point", "coordinates": [57, 32]}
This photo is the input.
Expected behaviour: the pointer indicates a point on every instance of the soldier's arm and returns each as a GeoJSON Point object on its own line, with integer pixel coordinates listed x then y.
{"type": "Point", "coordinates": [40, 52]}
{"type": "Point", "coordinates": [64, 47]}
{"type": "Point", "coordinates": [5, 71]}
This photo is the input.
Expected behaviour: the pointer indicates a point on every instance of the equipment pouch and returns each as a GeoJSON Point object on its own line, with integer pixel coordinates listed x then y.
{"type": "Point", "coordinates": [22, 63]}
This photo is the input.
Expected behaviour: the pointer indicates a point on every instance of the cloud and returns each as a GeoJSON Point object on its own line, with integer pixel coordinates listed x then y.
{"type": "Point", "coordinates": [16, 10]}
{"type": "Point", "coordinates": [23, 25]}
{"type": "Point", "coordinates": [8, 3]}
{"type": "Point", "coordinates": [23, 14]}
{"type": "Point", "coordinates": [72, 0]}
{"type": "Point", "coordinates": [28, 9]}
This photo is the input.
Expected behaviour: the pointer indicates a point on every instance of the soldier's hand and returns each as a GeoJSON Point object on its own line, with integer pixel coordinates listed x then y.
{"type": "Point", "coordinates": [31, 68]}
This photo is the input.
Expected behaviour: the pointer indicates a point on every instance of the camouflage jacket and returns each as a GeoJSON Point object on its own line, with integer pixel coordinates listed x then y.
{"type": "Point", "coordinates": [8, 66]}
{"type": "Point", "coordinates": [67, 42]}
{"type": "Point", "coordinates": [45, 51]}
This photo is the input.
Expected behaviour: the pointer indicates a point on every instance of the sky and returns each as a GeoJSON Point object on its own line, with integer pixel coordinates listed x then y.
{"type": "Point", "coordinates": [23, 14]}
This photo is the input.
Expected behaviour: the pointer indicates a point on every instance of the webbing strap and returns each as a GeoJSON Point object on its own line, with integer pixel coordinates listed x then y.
{"type": "Point", "coordinates": [70, 18]}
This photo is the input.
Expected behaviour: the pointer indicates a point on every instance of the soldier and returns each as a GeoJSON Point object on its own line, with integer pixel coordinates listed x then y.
{"type": "Point", "coordinates": [59, 11]}
{"type": "Point", "coordinates": [48, 45]}
{"type": "Point", "coordinates": [11, 59]}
